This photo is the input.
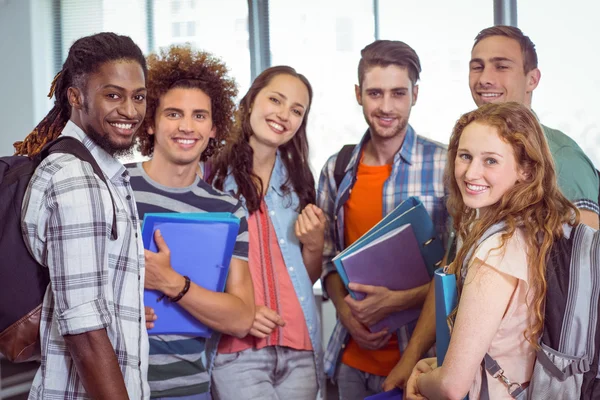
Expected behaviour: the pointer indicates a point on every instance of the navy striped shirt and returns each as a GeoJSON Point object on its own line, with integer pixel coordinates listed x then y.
{"type": "Point", "coordinates": [178, 365]}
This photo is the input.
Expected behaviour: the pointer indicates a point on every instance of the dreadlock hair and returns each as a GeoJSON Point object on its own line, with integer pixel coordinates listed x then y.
{"type": "Point", "coordinates": [237, 157]}
{"type": "Point", "coordinates": [181, 67]}
{"type": "Point", "coordinates": [536, 205]}
{"type": "Point", "coordinates": [86, 55]}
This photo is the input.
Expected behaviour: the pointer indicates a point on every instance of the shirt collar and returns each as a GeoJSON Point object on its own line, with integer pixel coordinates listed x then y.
{"type": "Point", "coordinates": [108, 164]}
{"type": "Point", "coordinates": [406, 151]}
{"type": "Point", "coordinates": [279, 175]}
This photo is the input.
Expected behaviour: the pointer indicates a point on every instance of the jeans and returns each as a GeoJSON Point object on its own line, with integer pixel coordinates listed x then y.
{"type": "Point", "coordinates": [272, 372]}
{"type": "Point", "coordinates": [354, 384]}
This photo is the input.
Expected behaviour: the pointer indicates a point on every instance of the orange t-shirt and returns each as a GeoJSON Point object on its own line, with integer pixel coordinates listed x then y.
{"type": "Point", "coordinates": [363, 210]}
{"type": "Point", "coordinates": [272, 288]}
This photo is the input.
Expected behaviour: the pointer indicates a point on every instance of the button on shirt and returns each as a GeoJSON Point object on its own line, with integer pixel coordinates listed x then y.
{"type": "Point", "coordinates": [96, 283]}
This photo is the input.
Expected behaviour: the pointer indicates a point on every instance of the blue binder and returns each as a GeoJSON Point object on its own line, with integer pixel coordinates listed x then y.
{"type": "Point", "coordinates": [201, 246]}
{"type": "Point", "coordinates": [445, 302]}
{"type": "Point", "coordinates": [394, 394]}
{"type": "Point", "coordinates": [410, 211]}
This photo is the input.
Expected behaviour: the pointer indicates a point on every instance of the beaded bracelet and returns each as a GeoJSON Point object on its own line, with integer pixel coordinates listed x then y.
{"type": "Point", "coordinates": [183, 292]}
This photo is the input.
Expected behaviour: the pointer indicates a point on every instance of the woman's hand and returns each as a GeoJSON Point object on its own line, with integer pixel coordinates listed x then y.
{"type": "Point", "coordinates": [310, 228]}
{"type": "Point", "coordinates": [422, 367]}
{"type": "Point", "coordinates": [265, 322]}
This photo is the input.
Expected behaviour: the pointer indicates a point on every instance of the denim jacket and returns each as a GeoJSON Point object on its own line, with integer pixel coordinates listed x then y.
{"type": "Point", "coordinates": [283, 213]}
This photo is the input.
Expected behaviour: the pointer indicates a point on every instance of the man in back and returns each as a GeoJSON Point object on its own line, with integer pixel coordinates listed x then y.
{"type": "Point", "coordinates": [390, 164]}
{"type": "Point", "coordinates": [503, 67]}
{"type": "Point", "coordinates": [190, 107]}
{"type": "Point", "coordinates": [93, 336]}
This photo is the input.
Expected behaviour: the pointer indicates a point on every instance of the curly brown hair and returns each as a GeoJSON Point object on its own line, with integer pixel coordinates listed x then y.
{"type": "Point", "coordinates": [181, 67]}
{"type": "Point", "coordinates": [536, 205]}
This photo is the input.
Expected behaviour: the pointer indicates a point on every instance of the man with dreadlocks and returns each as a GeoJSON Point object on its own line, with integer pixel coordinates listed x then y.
{"type": "Point", "coordinates": [190, 107]}
{"type": "Point", "coordinates": [93, 338]}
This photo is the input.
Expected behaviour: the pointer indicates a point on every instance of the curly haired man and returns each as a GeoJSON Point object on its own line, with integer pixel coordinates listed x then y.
{"type": "Point", "coordinates": [190, 104]}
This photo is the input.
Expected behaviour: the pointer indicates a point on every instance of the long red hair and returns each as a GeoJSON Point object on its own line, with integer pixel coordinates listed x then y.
{"type": "Point", "coordinates": [535, 204]}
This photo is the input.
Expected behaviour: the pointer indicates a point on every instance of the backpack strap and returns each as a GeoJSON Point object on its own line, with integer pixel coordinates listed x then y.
{"type": "Point", "coordinates": [492, 230]}
{"type": "Point", "coordinates": [515, 390]}
{"type": "Point", "coordinates": [69, 145]}
{"type": "Point", "coordinates": [341, 162]}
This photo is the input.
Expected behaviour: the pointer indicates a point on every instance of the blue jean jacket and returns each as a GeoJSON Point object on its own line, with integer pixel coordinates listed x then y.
{"type": "Point", "coordinates": [283, 212]}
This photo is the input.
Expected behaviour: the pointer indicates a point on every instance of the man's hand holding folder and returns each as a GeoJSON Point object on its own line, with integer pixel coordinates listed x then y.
{"type": "Point", "coordinates": [381, 302]}
{"type": "Point", "coordinates": [160, 275]}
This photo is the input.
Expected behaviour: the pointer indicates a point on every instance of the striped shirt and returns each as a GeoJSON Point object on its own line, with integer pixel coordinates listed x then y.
{"type": "Point", "coordinates": [180, 365]}
{"type": "Point", "coordinates": [418, 170]}
{"type": "Point", "coordinates": [96, 282]}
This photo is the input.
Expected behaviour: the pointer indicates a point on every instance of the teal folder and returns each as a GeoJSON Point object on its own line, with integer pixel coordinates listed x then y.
{"type": "Point", "coordinates": [445, 302]}
{"type": "Point", "coordinates": [201, 246]}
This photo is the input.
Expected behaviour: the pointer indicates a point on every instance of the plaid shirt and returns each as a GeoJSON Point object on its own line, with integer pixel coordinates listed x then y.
{"type": "Point", "coordinates": [418, 170]}
{"type": "Point", "coordinates": [96, 283]}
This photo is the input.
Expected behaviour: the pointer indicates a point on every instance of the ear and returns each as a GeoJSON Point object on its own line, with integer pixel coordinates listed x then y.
{"type": "Point", "coordinates": [415, 94]}
{"type": "Point", "coordinates": [358, 94]}
{"type": "Point", "coordinates": [150, 130]}
{"type": "Point", "coordinates": [524, 175]}
{"type": "Point", "coordinates": [533, 79]}
{"type": "Point", "coordinates": [75, 98]}
{"type": "Point", "coordinates": [213, 132]}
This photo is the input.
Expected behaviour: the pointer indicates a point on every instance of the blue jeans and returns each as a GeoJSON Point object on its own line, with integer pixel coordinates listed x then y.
{"type": "Point", "coordinates": [272, 372]}
{"type": "Point", "coordinates": [354, 384]}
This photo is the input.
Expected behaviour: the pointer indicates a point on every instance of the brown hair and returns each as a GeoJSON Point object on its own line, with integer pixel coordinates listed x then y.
{"type": "Point", "coordinates": [382, 53]}
{"type": "Point", "coordinates": [237, 157]}
{"type": "Point", "coordinates": [85, 57]}
{"type": "Point", "coordinates": [536, 205]}
{"type": "Point", "coordinates": [530, 60]}
{"type": "Point", "coordinates": [182, 67]}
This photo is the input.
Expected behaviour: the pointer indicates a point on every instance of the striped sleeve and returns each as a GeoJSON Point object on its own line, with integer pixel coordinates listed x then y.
{"type": "Point", "coordinates": [240, 250]}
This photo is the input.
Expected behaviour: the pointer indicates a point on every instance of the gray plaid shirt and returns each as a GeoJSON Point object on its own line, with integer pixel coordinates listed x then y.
{"type": "Point", "coordinates": [96, 283]}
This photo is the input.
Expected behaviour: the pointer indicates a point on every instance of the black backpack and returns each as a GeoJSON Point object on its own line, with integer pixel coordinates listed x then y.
{"type": "Point", "coordinates": [341, 162]}
{"type": "Point", "coordinates": [23, 281]}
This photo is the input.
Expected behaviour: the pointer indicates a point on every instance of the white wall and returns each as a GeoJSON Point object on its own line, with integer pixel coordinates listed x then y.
{"type": "Point", "coordinates": [25, 40]}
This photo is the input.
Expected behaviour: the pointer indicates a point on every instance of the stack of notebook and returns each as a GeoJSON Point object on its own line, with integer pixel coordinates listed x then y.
{"type": "Point", "coordinates": [400, 252]}
{"type": "Point", "coordinates": [201, 246]}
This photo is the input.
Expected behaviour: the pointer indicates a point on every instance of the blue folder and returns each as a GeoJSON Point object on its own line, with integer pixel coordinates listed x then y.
{"type": "Point", "coordinates": [394, 394]}
{"type": "Point", "coordinates": [410, 211]}
{"type": "Point", "coordinates": [445, 302]}
{"type": "Point", "coordinates": [201, 246]}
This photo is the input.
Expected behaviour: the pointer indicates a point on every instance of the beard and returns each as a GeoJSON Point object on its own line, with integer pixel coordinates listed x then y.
{"type": "Point", "coordinates": [114, 149]}
{"type": "Point", "coordinates": [390, 132]}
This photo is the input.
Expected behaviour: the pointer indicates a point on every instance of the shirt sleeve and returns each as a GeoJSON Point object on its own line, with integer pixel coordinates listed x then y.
{"type": "Point", "coordinates": [509, 258]}
{"type": "Point", "coordinates": [69, 220]}
{"type": "Point", "coordinates": [240, 250]}
{"type": "Point", "coordinates": [577, 178]}
{"type": "Point", "coordinates": [326, 194]}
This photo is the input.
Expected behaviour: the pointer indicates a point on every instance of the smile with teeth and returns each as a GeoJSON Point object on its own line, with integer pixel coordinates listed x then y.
{"type": "Point", "coordinates": [276, 126]}
{"type": "Point", "coordinates": [122, 126]}
{"type": "Point", "coordinates": [490, 95]}
{"type": "Point", "coordinates": [476, 188]}
{"type": "Point", "coordinates": [186, 141]}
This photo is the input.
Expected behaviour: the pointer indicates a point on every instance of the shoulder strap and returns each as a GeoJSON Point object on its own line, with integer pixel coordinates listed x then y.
{"type": "Point", "coordinates": [341, 162]}
{"type": "Point", "coordinates": [492, 230]}
{"type": "Point", "coordinates": [515, 390]}
{"type": "Point", "coordinates": [69, 145]}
